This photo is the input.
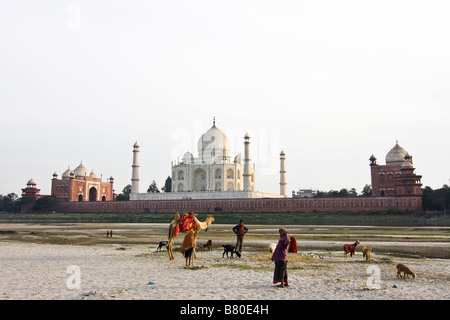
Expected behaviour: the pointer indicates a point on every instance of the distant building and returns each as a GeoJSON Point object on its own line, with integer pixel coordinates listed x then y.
{"type": "Point", "coordinates": [304, 193]}
{"type": "Point", "coordinates": [31, 190]}
{"type": "Point", "coordinates": [213, 169]}
{"type": "Point", "coordinates": [396, 177]}
{"type": "Point", "coordinates": [81, 185]}
{"type": "Point", "coordinates": [213, 174]}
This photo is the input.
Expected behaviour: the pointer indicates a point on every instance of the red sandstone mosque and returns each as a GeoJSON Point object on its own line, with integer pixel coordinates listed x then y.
{"type": "Point", "coordinates": [396, 177]}
{"type": "Point", "coordinates": [81, 185]}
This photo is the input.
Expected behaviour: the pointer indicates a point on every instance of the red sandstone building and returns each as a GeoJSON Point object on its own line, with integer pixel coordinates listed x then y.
{"type": "Point", "coordinates": [31, 190]}
{"type": "Point", "coordinates": [397, 177]}
{"type": "Point", "coordinates": [81, 185]}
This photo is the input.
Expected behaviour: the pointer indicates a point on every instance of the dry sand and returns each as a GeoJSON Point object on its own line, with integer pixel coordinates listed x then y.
{"type": "Point", "coordinates": [33, 268]}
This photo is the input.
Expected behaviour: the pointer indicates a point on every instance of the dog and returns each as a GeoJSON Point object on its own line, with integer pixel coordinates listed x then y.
{"type": "Point", "coordinates": [162, 244]}
{"type": "Point", "coordinates": [229, 248]}
{"type": "Point", "coordinates": [208, 246]}
{"type": "Point", "coordinates": [366, 252]}
{"type": "Point", "coordinates": [406, 272]}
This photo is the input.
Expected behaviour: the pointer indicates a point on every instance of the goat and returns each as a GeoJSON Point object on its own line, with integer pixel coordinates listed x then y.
{"type": "Point", "coordinates": [229, 248]}
{"type": "Point", "coordinates": [161, 244]}
{"type": "Point", "coordinates": [406, 272]}
{"type": "Point", "coordinates": [350, 248]}
{"type": "Point", "coordinates": [366, 252]}
{"type": "Point", "coordinates": [208, 246]}
{"type": "Point", "coordinates": [271, 248]}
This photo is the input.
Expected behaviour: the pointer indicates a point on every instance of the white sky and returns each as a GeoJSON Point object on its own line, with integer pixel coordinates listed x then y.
{"type": "Point", "coordinates": [329, 82]}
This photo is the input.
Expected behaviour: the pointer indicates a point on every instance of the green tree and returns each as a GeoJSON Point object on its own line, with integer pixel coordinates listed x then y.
{"type": "Point", "coordinates": [366, 191]}
{"type": "Point", "coordinates": [45, 204]}
{"type": "Point", "coordinates": [167, 185]}
{"type": "Point", "coordinates": [125, 194]}
{"type": "Point", "coordinates": [10, 203]}
{"type": "Point", "coordinates": [152, 188]}
{"type": "Point", "coordinates": [343, 193]}
{"type": "Point", "coordinates": [436, 200]}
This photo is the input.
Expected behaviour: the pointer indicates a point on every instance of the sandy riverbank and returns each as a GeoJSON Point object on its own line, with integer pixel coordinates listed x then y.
{"type": "Point", "coordinates": [117, 269]}
{"type": "Point", "coordinates": [35, 271]}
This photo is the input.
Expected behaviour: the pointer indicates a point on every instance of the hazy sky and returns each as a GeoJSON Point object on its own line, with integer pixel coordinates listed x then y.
{"type": "Point", "coordinates": [328, 82]}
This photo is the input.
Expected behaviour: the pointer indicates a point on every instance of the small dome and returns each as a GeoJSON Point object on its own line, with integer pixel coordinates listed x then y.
{"type": "Point", "coordinates": [135, 145]}
{"type": "Point", "coordinates": [238, 159]}
{"type": "Point", "coordinates": [93, 175]}
{"type": "Point", "coordinates": [66, 174]}
{"type": "Point", "coordinates": [188, 158]}
{"type": "Point", "coordinates": [81, 171]}
{"type": "Point", "coordinates": [31, 182]}
{"type": "Point", "coordinates": [396, 156]}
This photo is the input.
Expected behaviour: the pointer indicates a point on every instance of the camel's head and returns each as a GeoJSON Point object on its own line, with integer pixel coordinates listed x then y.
{"type": "Point", "coordinates": [357, 242]}
{"type": "Point", "coordinates": [209, 220]}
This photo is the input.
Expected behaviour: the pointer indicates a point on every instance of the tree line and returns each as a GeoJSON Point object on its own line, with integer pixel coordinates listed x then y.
{"type": "Point", "coordinates": [12, 203]}
{"type": "Point", "coordinates": [344, 193]}
{"type": "Point", "coordinates": [436, 200]}
{"type": "Point", "coordinates": [152, 188]}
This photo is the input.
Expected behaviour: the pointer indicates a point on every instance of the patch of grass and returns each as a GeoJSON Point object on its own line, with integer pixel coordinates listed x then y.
{"type": "Point", "coordinates": [242, 267]}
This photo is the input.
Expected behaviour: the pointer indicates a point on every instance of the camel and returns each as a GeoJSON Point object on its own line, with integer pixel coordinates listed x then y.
{"type": "Point", "coordinates": [199, 225]}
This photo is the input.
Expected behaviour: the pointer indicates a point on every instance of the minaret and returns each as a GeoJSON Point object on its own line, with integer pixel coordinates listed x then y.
{"type": "Point", "coordinates": [135, 171]}
{"type": "Point", "coordinates": [283, 174]}
{"type": "Point", "coordinates": [247, 174]}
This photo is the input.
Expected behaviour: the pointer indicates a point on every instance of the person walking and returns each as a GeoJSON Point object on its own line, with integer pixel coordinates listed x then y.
{"type": "Point", "coordinates": [240, 230]}
{"type": "Point", "coordinates": [280, 257]}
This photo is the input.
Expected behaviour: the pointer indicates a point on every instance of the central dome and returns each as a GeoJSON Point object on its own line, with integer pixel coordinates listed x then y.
{"type": "Point", "coordinates": [213, 146]}
{"type": "Point", "coordinates": [396, 155]}
{"type": "Point", "coordinates": [81, 171]}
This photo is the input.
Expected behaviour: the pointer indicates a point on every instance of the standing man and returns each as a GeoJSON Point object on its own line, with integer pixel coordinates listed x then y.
{"type": "Point", "coordinates": [240, 230]}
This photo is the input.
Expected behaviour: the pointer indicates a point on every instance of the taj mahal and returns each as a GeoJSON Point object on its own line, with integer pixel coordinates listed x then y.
{"type": "Point", "coordinates": [213, 174]}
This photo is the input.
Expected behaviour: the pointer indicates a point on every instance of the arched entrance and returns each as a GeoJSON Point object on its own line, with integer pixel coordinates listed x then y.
{"type": "Point", "coordinates": [93, 194]}
{"type": "Point", "coordinates": [80, 197]}
{"type": "Point", "coordinates": [199, 180]}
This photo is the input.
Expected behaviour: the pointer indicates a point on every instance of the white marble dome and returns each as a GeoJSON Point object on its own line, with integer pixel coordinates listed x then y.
{"type": "Point", "coordinates": [81, 171]}
{"type": "Point", "coordinates": [66, 174]}
{"type": "Point", "coordinates": [213, 145]}
{"type": "Point", "coordinates": [188, 158]}
{"type": "Point", "coordinates": [396, 155]}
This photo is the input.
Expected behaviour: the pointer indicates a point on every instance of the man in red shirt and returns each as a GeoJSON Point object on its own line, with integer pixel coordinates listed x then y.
{"type": "Point", "coordinates": [240, 230]}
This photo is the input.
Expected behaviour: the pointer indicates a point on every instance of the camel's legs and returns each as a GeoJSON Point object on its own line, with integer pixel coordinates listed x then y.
{"type": "Point", "coordinates": [169, 248]}
{"type": "Point", "coordinates": [195, 244]}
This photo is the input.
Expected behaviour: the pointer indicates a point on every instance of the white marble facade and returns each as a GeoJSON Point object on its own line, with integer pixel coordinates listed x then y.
{"type": "Point", "coordinates": [213, 174]}
{"type": "Point", "coordinates": [213, 169]}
